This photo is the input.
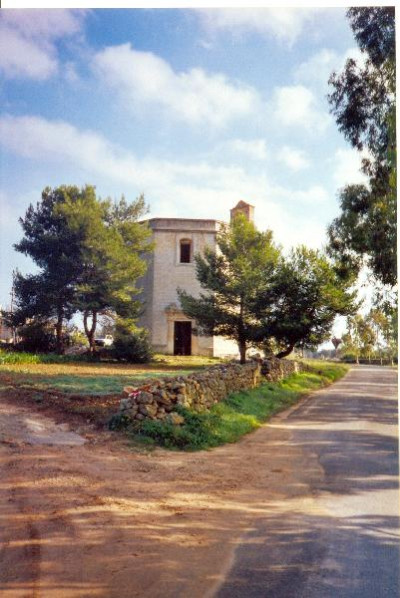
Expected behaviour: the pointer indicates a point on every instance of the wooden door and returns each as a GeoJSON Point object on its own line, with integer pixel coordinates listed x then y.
{"type": "Point", "coordinates": [182, 338]}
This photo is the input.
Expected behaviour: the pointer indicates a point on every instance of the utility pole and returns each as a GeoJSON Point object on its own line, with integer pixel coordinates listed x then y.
{"type": "Point", "coordinates": [14, 332]}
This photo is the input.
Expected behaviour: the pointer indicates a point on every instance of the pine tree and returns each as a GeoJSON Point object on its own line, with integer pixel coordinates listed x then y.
{"type": "Point", "coordinates": [55, 250]}
{"type": "Point", "coordinates": [304, 297]}
{"type": "Point", "coordinates": [89, 254]}
{"type": "Point", "coordinates": [233, 276]}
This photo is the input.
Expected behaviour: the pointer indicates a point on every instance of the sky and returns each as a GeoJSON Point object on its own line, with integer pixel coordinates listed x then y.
{"type": "Point", "coordinates": [195, 108]}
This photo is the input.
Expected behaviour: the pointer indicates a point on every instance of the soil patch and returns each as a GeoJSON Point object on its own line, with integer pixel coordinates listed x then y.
{"type": "Point", "coordinates": [101, 519]}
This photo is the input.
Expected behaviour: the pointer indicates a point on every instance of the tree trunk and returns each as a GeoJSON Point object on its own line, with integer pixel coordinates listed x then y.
{"type": "Point", "coordinates": [90, 331]}
{"type": "Point", "coordinates": [241, 336]}
{"type": "Point", "coordinates": [242, 351]}
{"type": "Point", "coordinates": [59, 337]}
{"type": "Point", "coordinates": [285, 352]}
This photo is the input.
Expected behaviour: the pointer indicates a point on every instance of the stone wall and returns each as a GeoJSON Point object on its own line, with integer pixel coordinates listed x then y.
{"type": "Point", "coordinates": [158, 398]}
{"type": "Point", "coordinates": [274, 369]}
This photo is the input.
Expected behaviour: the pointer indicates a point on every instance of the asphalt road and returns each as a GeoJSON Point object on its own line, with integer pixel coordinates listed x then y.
{"type": "Point", "coordinates": [341, 539]}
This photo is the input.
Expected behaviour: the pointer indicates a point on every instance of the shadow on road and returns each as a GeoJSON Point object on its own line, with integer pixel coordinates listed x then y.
{"type": "Point", "coordinates": [312, 556]}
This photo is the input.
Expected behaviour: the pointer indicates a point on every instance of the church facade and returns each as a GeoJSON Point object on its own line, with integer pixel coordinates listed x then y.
{"type": "Point", "coordinates": [171, 266]}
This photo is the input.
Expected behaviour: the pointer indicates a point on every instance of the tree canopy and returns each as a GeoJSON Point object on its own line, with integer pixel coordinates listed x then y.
{"type": "Point", "coordinates": [234, 277]}
{"type": "Point", "coordinates": [363, 103]}
{"type": "Point", "coordinates": [55, 250]}
{"type": "Point", "coordinates": [111, 241]}
{"type": "Point", "coordinates": [88, 252]}
{"type": "Point", "coordinates": [305, 294]}
{"type": "Point", "coordinates": [373, 335]}
{"type": "Point", "coordinates": [255, 295]}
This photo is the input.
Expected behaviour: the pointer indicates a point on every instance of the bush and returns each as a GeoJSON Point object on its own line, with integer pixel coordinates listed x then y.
{"type": "Point", "coordinates": [131, 344]}
{"type": "Point", "coordinates": [76, 337]}
{"type": "Point", "coordinates": [196, 433]}
{"type": "Point", "coordinates": [349, 357]}
{"type": "Point", "coordinates": [119, 421]}
{"type": "Point", "coordinates": [37, 337]}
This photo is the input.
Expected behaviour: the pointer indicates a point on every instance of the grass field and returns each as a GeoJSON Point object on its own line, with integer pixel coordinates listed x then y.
{"type": "Point", "coordinates": [93, 378]}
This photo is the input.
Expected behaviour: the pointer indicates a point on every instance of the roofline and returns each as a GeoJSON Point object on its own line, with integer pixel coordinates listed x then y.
{"type": "Point", "coordinates": [185, 219]}
{"type": "Point", "coordinates": [244, 202]}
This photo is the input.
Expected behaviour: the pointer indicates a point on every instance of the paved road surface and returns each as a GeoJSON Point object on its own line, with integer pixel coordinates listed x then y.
{"type": "Point", "coordinates": [342, 539]}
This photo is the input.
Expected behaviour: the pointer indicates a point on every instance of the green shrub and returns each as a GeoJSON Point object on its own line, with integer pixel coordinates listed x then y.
{"type": "Point", "coordinates": [349, 357]}
{"type": "Point", "coordinates": [76, 337]}
{"type": "Point", "coordinates": [37, 337]}
{"type": "Point", "coordinates": [119, 421]}
{"type": "Point", "coordinates": [131, 344]}
{"type": "Point", "coordinates": [195, 433]}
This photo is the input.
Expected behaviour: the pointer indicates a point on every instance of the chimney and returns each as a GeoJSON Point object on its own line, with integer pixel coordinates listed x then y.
{"type": "Point", "coordinates": [243, 208]}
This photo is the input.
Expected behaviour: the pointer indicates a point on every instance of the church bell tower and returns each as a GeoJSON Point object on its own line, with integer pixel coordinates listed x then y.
{"type": "Point", "coordinates": [243, 208]}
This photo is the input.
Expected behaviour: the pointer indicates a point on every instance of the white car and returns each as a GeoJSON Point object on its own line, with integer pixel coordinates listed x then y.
{"type": "Point", "coordinates": [106, 341]}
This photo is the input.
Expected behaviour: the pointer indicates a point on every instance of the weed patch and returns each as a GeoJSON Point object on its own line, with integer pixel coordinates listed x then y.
{"type": "Point", "coordinates": [21, 357]}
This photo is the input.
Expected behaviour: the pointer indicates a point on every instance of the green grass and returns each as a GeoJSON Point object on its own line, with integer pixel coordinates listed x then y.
{"type": "Point", "coordinates": [21, 357]}
{"type": "Point", "coordinates": [74, 375]}
{"type": "Point", "coordinates": [89, 385]}
{"type": "Point", "coordinates": [239, 414]}
{"type": "Point", "coordinates": [8, 357]}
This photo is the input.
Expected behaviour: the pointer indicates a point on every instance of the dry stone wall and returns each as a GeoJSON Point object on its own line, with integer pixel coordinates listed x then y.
{"type": "Point", "coordinates": [158, 398]}
{"type": "Point", "coordinates": [274, 369]}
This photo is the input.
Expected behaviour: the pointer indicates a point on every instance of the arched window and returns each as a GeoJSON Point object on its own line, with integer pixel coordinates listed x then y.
{"type": "Point", "coordinates": [185, 251]}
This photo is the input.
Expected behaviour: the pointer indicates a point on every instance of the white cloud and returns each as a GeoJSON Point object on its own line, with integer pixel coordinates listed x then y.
{"type": "Point", "coordinates": [177, 189]}
{"type": "Point", "coordinates": [317, 69]}
{"type": "Point", "coordinates": [256, 149]}
{"type": "Point", "coordinates": [285, 24]}
{"type": "Point", "coordinates": [297, 106]}
{"type": "Point", "coordinates": [346, 168]}
{"type": "Point", "coordinates": [293, 158]}
{"type": "Point", "coordinates": [192, 96]}
{"type": "Point", "coordinates": [313, 195]}
{"type": "Point", "coordinates": [70, 73]}
{"type": "Point", "coordinates": [44, 24]}
{"type": "Point", "coordinates": [27, 40]}
{"type": "Point", "coordinates": [9, 217]}
{"type": "Point", "coordinates": [57, 141]}
{"type": "Point", "coordinates": [14, 53]}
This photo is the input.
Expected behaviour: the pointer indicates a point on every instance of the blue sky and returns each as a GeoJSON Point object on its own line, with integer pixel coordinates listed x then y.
{"type": "Point", "coordinates": [196, 108]}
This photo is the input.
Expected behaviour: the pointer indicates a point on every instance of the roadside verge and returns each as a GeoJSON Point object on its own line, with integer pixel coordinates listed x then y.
{"type": "Point", "coordinates": [228, 420]}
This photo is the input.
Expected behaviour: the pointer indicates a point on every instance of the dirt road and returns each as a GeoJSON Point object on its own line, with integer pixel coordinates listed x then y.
{"type": "Point", "coordinates": [82, 515]}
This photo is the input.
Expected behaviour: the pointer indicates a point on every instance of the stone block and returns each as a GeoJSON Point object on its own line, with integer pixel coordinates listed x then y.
{"type": "Point", "coordinates": [125, 404]}
{"type": "Point", "coordinates": [175, 418]}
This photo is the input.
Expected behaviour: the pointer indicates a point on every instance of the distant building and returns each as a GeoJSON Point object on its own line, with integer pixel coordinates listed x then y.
{"type": "Point", "coordinates": [6, 333]}
{"type": "Point", "coordinates": [171, 266]}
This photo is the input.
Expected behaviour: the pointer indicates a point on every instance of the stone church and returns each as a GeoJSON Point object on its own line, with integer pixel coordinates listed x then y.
{"type": "Point", "coordinates": [172, 266]}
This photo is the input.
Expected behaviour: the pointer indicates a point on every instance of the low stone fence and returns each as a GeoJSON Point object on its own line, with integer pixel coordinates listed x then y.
{"type": "Point", "coordinates": [274, 369]}
{"type": "Point", "coordinates": [158, 398]}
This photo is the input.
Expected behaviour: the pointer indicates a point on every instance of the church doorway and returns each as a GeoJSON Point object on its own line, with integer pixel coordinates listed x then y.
{"type": "Point", "coordinates": [182, 338]}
